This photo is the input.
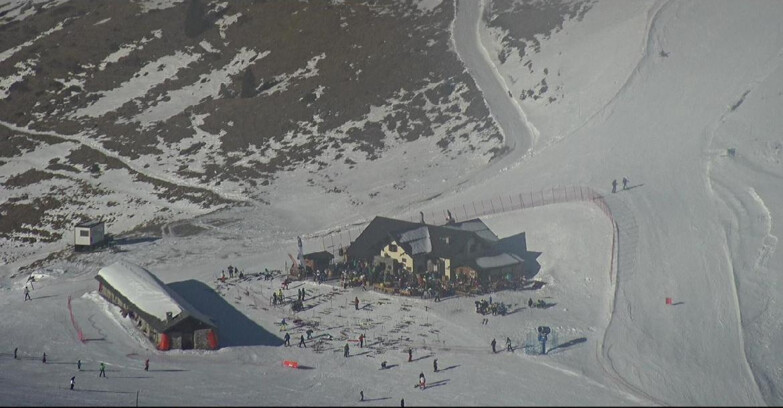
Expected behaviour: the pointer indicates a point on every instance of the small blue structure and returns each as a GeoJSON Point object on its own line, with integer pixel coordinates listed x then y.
{"type": "Point", "coordinates": [538, 338]}
{"type": "Point", "coordinates": [543, 332]}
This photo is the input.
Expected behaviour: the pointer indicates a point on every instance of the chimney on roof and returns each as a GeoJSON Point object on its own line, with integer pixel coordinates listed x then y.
{"type": "Point", "coordinates": [168, 316]}
{"type": "Point", "coordinates": [449, 218]}
{"type": "Point", "coordinates": [422, 217]}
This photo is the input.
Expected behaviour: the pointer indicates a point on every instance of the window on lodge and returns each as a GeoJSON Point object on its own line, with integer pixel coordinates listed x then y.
{"type": "Point", "coordinates": [84, 233]}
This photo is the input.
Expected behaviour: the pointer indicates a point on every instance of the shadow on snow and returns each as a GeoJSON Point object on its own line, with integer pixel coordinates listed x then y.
{"type": "Point", "coordinates": [234, 328]}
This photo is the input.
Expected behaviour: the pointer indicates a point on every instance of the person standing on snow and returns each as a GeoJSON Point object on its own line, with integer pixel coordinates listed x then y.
{"type": "Point", "coordinates": [147, 365]}
{"type": "Point", "coordinates": [287, 339]}
{"type": "Point", "coordinates": [79, 365]}
{"type": "Point", "coordinates": [15, 350]}
{"type": "Point", "coordinates": [614, 185]}
{"type": "Point", "coordinates": [422, 381]}
{"type": "Point", "coordinates": [73, 382]}
{"type": "Point", "coordinates": [345, 350]}
{"type": "Point", "coordinates": [493, 345]}
{"type": "Point", "coordinates": [361, 340]}
{"type": "Point", "coordinates": [435, 365]}
{"type": "Point", "coordinates": [410, 355]}
{"type": "Point", "coordinates": [44, 358]}
{"type": "Point", "coordinates": [361, 394]}
{"type": "Point", "coordinates": [356, 303]}
{"type": "Point", "coordinates": [530, 302]}
{"type": "Point", "coordinates": [302, 342]}
{"type": "Point", "coordinates": [508, 345]}
{"type": "Point", "coordinates": [102, 373]}
{"type": "Point", "coordinates": [27, 294]}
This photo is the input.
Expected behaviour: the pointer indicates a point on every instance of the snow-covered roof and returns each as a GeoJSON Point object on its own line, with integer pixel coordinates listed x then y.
{"type": "Point", "coordinates": [498, 261]}
{"type": "Point", "coordinates": [141, 288]}
{"type": "Point", "coordinates": [418, 239]}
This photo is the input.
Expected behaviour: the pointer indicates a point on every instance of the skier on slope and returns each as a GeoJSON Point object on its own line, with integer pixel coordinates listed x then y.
{"type": "Point", "coordinates": [422, 381]}
{"type": "Point", "coordinates": [614, 185]}
{"type": "Point", "coordinates": [73, 382]}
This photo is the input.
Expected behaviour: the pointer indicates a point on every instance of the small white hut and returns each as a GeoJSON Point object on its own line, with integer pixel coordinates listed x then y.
{"type": "Point", "coordinates": [88, 234]}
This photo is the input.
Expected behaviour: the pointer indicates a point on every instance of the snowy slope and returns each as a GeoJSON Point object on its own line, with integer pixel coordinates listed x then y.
{"type": "Point", "coordinates": [691, 80]}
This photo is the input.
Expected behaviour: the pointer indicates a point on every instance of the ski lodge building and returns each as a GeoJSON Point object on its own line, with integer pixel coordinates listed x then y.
{"type": "Point", "coordinates": [161, 314]}
{"type": "Point", "coordinates": [467, 250]}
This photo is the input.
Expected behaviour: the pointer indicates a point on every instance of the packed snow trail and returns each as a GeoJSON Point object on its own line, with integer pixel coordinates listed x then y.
{"type": "Point", "coordinates": [519, 134]}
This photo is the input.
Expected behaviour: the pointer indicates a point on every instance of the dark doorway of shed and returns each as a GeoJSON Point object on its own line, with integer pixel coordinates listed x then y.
{"type": "Point", "coordinates": [234, 328]}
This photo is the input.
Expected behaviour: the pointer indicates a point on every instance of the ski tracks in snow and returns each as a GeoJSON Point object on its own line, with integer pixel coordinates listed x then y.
{"type": "Point", "coordinates": [742, 206]}
{"type": "Point", "coordinates": [645, 51]}
{"type": "Point", "coordinates": [626, 245]}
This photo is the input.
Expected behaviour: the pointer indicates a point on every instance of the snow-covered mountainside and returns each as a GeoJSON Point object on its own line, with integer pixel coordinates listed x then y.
{"type": "Point", "coordinates": [215, 133]}
{"type": "Point", "coordinates": [200, 105]}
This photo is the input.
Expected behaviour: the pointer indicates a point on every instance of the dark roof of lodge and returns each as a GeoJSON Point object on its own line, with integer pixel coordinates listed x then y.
{"type": "Point", "coordinates": [372, 239]}
{"type": "Point", "coordinates": [319, 256]}
{"type": "Point", "coordinates": [381, 229]}
{"type": "Point", "coordinates": [443, 242]}
{"type": "Point", "coordinates": [475, 225]}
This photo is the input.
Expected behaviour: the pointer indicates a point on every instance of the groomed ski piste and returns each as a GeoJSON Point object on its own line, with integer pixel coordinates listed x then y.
{"type": "Point", "coordinates": [677, 85]}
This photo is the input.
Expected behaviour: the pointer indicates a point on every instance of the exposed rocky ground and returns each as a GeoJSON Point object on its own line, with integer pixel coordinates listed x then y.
{"type": "Point", "coordinates": [193, 106]}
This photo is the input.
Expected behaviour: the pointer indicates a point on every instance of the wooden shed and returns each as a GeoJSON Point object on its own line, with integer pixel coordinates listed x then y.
{"type": "Point", "coordinates": [160, 313]}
